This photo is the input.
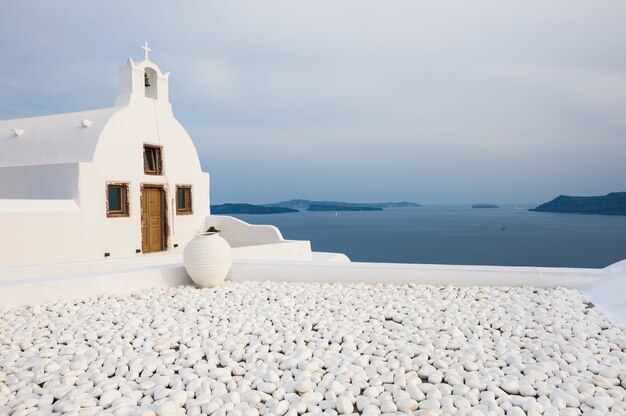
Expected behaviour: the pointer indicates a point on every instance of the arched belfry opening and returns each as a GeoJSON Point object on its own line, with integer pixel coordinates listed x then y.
{"type": "Point", "coordinates": [142, 80]}
{"type": "Point", "coordinates": [151, 83]}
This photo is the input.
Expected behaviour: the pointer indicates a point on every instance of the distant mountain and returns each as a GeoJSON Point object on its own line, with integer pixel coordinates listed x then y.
{"type": "Point", "coordinates": [304, 204]}
{"type": "Point", "coordinates": [485, 206]}
{"type": "Point", "coordinates": [314, 207]}
{"type": "Point", "coordinates": [248, 209]}
{"type": "Point", "coordinates": [611, 204]}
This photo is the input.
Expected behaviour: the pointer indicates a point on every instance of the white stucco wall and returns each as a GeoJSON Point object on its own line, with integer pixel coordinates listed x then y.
{"type": "Point", "coordinates": [50, 181]}
{"type": "Point", "coordinates": [146, 121]}
{"type": "Point", "coordinates": [400, 273]}
{"type": "Point", "coordinates": [283, 250]}
{"type": "Point", "coordinates": [610, 291]}
{"type": "Point", "coordinates": [240, 234]}
{"type": "Point", "coordinates": [38, 232]}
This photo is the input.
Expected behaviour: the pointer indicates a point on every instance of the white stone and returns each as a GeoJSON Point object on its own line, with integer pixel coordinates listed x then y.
{"type": "Point", "coordinates": [304, 385]}
{"type": "Point", "coordinates": [362, 402]}
{"type": "Point", "coordinates": [407, 405]}
{"type": "Point", "coordinates": [312, 398]}
{"type": "Point", "coordinates": [561, 396]}
{"type": "Point", "coordinates": [336, 387]}
{"type": "Point", "coordinates": [252, 397]}
{"type": "Point", "coordinates": [600, 381]}
{"type": "Point", "coordinates": [344, 405]}
{"type": "Point", "coordinates": [268, 388]}
{"type": "Point", "coordinates": [161, 392]}
{"type": "Point", "coordinates": [289, 363]}
{"type": "Point", "coordinates": [360, 369]}
{"type": "Point", "coordinates": [280, 408]}
{"type": "Point", "coordinates": [180, 397]}
{"type": "Point", "coordinates": [167, 408]}
{"type": "Point", "coordinates": [107, 398]}
{"type": "Point", "coordinates": [371, 410]}
{"type": "Point", "coordinates": [460, 402]}
{"type": "Point", "coordinates": [400, 380]}
{"type": "Point", "coordinates": [388, 406]}
{"type": "Point", "coordinates": [515, 411]}
{"type": "Point", "coordinates": [415, 392]}
{"type": "Point", "coordinates": [52, 366]}
{"type": "Point", "coordinates": [510, 386]}
{"type": "Point", "coordinates": [210, 407]}
{"type": "Point", "coordinates": [429, 404]}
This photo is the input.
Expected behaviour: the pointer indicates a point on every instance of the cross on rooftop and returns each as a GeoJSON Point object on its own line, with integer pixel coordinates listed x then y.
{"type": "Point", "coordinates": [146, 49]}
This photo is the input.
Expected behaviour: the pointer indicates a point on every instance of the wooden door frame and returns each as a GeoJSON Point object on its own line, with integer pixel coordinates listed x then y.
{"type": "Point", "coordinates": [165, 229]}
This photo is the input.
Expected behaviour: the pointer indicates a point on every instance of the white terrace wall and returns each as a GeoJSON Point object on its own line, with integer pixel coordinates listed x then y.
{"type": "Point", "coordinates": [400, 273]}
{"type": "Point", "coordinates": [239, 233]}
{"type": "Point", "coordinates": [41, 231]}
{"type": "Point", "coordinates": [605, 287]}
{"type": "Point", "coordinates": [252, 241]}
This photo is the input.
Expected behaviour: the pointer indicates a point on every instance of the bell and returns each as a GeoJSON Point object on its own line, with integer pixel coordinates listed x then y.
{"type": "Point", "coordinates": [146, 80]}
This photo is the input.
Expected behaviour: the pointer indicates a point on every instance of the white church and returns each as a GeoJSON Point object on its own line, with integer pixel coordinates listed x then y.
{"type": "Point", "coordinates": [112, 182]}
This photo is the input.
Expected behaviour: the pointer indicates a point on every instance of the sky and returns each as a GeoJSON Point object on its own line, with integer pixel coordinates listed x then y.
{"type": "Point", "coordinates": [435, 102]}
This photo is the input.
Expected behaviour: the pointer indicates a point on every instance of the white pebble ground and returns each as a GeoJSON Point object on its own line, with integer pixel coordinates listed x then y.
{"type": "Point", "coordinates": [276, 348]}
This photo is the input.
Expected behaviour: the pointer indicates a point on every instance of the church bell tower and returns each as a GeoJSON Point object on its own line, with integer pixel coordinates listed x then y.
{"type": "Point", "coordinates": [142, 80]}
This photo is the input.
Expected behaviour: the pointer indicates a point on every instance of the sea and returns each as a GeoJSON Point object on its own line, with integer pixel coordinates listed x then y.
{"type": "Point", "coordinates": [504, 236]}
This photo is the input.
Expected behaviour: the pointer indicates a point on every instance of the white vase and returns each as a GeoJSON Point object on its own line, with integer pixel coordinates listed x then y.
{"type": "Point", "coordinates": [207, 259]}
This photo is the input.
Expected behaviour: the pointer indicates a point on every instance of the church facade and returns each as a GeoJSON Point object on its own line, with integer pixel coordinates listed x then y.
{"type": "Point", "coordinates": [117, 182]}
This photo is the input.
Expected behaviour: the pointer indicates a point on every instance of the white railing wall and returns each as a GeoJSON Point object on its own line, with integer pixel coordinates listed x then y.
{"type": "Point", "coordinates": [239, 233]}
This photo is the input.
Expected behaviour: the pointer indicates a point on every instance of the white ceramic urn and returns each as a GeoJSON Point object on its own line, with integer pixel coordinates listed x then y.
{"type": "Point", "coordinates": [207, 259]}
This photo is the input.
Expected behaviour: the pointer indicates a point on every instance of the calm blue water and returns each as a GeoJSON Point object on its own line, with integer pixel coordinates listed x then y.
{"type": "Point", "coordinates": [459, 235]}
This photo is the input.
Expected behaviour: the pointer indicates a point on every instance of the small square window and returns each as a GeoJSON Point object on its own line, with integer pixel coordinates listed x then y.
{"type": "Point", "coordinates": [117, 200]}
{"type": "Point", "coordinates": [152, 162]}
{"type": "Point", "coordinates": [183, 200]}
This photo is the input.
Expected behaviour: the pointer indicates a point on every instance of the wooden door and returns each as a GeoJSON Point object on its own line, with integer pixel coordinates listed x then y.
{"type": "Point", "coordinates": [152, 220]}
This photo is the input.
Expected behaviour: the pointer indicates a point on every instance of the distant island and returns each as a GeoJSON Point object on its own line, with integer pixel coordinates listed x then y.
{"type": "Point", "coordinates": [485, 206]}
{"type": "Point", "coordinates": [314, 207]}
{"type": "Point", "coordinates": [296, 205]}
{"type": "Point", "coordinates": [248, 209]}
{"type": "Point", "coordinates": [304, 204]}
{"type": "Point", "coordinates": [611, 204]}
